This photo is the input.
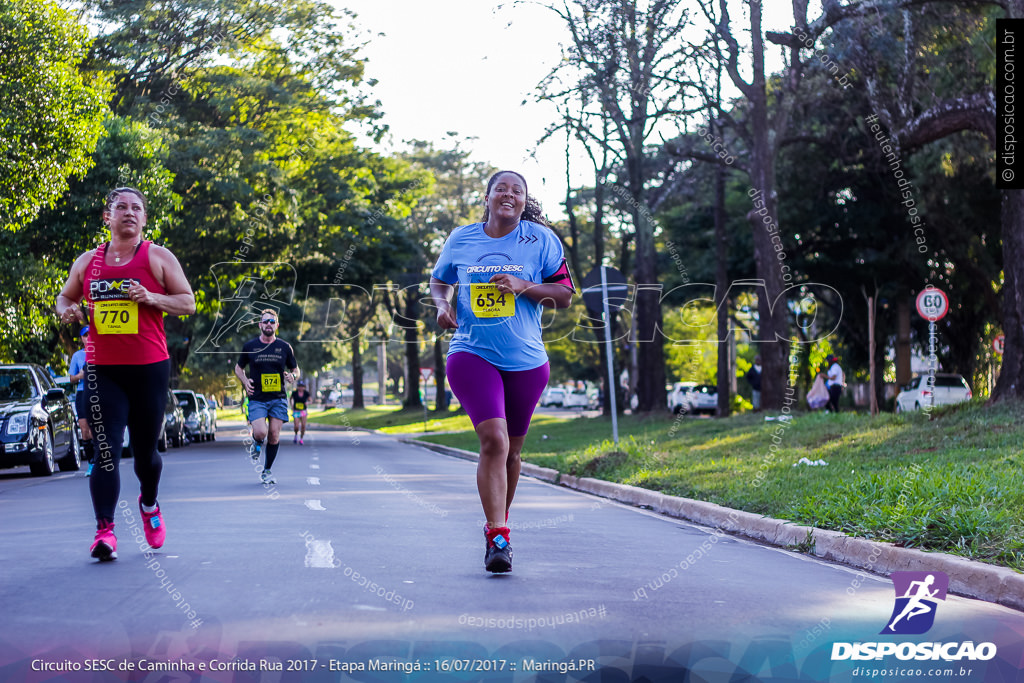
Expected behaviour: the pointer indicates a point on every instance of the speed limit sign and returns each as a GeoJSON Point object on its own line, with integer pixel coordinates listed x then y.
{"type": "Point", "coordinates": [999, 343]}
{"type": "Point", "coordinates": [932, 303]}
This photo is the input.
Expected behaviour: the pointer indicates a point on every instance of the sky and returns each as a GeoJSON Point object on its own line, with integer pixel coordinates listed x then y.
{"type": "Point", "coordinates": [464, 66]}
{"type": "Point", "coordinates": [467, 66]}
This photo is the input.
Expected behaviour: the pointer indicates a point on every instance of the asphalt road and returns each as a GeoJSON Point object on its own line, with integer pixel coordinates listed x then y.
{"type": "Point", "coordinates": [368, 553]}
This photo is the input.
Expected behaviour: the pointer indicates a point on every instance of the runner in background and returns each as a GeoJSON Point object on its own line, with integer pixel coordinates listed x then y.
{"type": "Point", "coordinates": [273, 363]}
{"type": "Point", "coordinates": [76, 373]}
{"type": "Point", "coordinates": [300, 411]}
{"type": "Point", "coordinates": [507, 267]}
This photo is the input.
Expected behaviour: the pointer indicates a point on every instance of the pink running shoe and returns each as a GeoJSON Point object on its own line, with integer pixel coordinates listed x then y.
{"type": "Point", "coordinates": [301, 442]}
{"type": "Point", "coordinates": [104, 548]}
{"type": "Point", "coordinates": [153, 522]}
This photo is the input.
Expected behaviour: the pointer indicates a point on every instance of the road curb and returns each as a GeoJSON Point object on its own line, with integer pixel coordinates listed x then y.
{"type": "Point", "coordinates": [978, 580]}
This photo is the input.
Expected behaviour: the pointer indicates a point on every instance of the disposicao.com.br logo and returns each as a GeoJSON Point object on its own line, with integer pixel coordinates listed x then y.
{"type": "Point", "coordinates": [917, 598]}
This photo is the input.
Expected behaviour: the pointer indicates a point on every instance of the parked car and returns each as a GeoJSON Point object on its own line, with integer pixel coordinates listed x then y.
{"type": "Point", "coordinates": [553, 396]}
{"type": "Point", "coordinates": [580, 398]}
{"type": "Point", "coordinates": [173, 433]}
{"type": "Point", "coordinates": [703, 398]}
{"type": "Point", "coordinates": [678, 397]}
{"type": "Point", "coordinates": [211, 417]}
{"type": "Point", "coordinates": [948, 388]}
{"type": "Point", "coordinates": [37, 422]}
{"type": "Point", "coordinates": [211, 403]}
{"type": "Point", "coordinates": [197, 419]}
{"type": "Point", "coordinates": [69, 387]}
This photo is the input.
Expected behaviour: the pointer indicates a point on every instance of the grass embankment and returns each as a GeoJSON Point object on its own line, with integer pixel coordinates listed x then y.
{"type": "Point", "coordinates": [953, 483]}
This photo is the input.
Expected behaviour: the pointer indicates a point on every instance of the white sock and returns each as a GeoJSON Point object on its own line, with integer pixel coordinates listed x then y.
{"type": "Point", "coordinates": [150, 508]}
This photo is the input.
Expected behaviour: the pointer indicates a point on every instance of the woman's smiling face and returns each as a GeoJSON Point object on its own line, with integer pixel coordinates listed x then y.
{"type": "Point", "coordinates": [507, 197]}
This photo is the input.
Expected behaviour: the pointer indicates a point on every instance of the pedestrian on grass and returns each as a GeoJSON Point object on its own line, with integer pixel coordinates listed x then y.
{"type": "Point", "coordinates": [753, 376]}
{"type": "Point", "coordinates": [507, 267]}
{"type": "Point", "coordinates": [835, 380]}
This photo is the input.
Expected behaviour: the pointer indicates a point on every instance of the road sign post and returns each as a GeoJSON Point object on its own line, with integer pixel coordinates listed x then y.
{"type": "Point", "coordinates": [612, 292]}
{"type": "Point", "coordinates": [426, 374]}
{"type": "Point", "coordinates": [932, 305]}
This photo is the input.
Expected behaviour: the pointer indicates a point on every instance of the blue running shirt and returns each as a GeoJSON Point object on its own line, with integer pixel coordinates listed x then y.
{"type": "Point", "coordinates": [486, 325]}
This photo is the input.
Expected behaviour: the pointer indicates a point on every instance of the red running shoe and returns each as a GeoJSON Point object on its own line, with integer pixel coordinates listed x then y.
{"type": "Point", "coordinates": [104, 548]}
{"type": "Point", "coordinates": [153, 522]}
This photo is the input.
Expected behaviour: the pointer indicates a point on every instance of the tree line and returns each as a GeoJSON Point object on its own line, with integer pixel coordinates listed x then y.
{"type": "Point", "coordinates": [239, 120]}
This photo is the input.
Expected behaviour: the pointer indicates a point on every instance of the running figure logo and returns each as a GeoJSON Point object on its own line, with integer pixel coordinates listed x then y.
{"type": "Point", "coordinates": [917, 596]}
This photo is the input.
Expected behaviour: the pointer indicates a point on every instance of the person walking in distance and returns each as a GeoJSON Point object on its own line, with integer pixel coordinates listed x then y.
{"type": "Point", "coordinates": [753, 376]}
{"type": "Point", "coordinates": [300, 405]}
{"type": "Point", "coordinates": [76, 373]}
{"type": "Point", "coordinates": [273, 363]}
{"type": "Point", "coordinates": [835, 380]}
{"type": "Point", "coordinates": [127, 284]}
{"type": "Point", "coordinates": [506, 267]}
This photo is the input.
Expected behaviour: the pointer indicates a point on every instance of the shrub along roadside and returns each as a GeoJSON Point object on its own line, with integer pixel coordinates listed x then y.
{"type": "Point", "coordinates": [953, 483]}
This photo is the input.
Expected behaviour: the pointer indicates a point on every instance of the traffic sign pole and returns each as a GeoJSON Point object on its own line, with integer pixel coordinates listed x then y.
{"type": "Point", "coordinates": [932, 304]}
{"type": "Point", "coordinates": [608, 354]}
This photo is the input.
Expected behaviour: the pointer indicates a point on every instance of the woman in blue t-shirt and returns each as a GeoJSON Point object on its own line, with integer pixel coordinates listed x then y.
{"type": "Point", "coordinates": [506, 268]}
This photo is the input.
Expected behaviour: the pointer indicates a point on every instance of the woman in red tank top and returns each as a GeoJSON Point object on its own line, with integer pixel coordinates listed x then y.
{"type": "Point", "coordinates": [127, 285]}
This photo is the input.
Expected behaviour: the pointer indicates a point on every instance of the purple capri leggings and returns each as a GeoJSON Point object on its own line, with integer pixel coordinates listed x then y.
{"type": "Point", "coordinates": [487, 392]}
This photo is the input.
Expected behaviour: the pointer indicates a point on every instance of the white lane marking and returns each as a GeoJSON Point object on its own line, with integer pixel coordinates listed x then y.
{"type": "Point", "coordinates": [314, 467]}
{"type": "Point", "coordinates": [315, 505]}
{"type": "Point", "coordinates": [319, 554]}
{"type": "Point", "coordinates": [313, 481]}
{"type": "Point", "coordinates": [316, 457]}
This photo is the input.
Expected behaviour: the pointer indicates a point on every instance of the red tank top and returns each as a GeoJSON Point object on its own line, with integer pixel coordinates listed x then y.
{"type": "Point", "coordinates": [121, 331]}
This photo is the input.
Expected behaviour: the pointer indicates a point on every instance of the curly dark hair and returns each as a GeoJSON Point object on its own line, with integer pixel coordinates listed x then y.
{"type": "Point", "coordinates": [532, 212]}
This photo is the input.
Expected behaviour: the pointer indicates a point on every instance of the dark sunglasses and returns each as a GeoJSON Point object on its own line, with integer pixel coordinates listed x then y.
{"type": "Point", "coordinates": [268, 320]}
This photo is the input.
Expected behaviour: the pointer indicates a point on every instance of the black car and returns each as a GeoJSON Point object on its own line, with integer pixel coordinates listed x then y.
{"type": "Point", "coordinates": [37, 422]}
{"type": "Point", "coordinates": [174, 424]}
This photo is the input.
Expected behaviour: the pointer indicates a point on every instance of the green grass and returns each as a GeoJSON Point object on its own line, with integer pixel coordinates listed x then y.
{"type": "Point", "coordinates": [953, 483]}
{"type": "Point", "coordinates": [391, 419]}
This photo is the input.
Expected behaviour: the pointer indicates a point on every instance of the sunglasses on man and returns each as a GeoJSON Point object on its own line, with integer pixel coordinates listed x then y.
{"type": "Point", "coordinates": [268, 320]}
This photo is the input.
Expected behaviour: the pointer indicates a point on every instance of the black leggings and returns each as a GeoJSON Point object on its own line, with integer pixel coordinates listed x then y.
{"type": "Point", "coordinates": [117, 396]}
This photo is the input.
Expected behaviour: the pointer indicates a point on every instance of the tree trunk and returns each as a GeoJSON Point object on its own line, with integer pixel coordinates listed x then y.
{"type": "Point", "coordinates": [650, 344]}
{"type": "Point", "coordinates": [872, 368]}
{"type": "Point", "coordinates": [903, 372]}
{"type": "Point", "coordinates": [725, 371]}
{"type": "Point", "coordinates": [357, 375]}
{"type": "Point", "coordinates": [1010, 385]}
{"type": "Point", "coordinates": [771, 307]}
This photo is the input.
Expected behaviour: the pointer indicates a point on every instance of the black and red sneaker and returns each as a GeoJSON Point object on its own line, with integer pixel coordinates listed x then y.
{"type": "Point", "coordinates": [498, 558]}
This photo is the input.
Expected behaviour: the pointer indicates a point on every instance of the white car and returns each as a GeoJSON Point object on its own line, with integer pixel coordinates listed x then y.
{"type": "Point", "coordinates": [918, 393]}
{"type": "Point", "coordinates": [580, 398]}
{"type": "Point", "coordinates": [678, 396]}
{"type": "Point", "coordinates": [703, 398]}
{"type": "Point", "coordinates": [553, 396]}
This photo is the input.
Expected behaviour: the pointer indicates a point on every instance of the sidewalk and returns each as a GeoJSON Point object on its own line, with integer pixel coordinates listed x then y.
{"type": "Point", "coordinates": [978, 580]}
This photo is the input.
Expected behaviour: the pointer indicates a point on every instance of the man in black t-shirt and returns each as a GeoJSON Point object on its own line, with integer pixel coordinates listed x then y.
{"type": "Point", "coordinates": [272, 363]}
